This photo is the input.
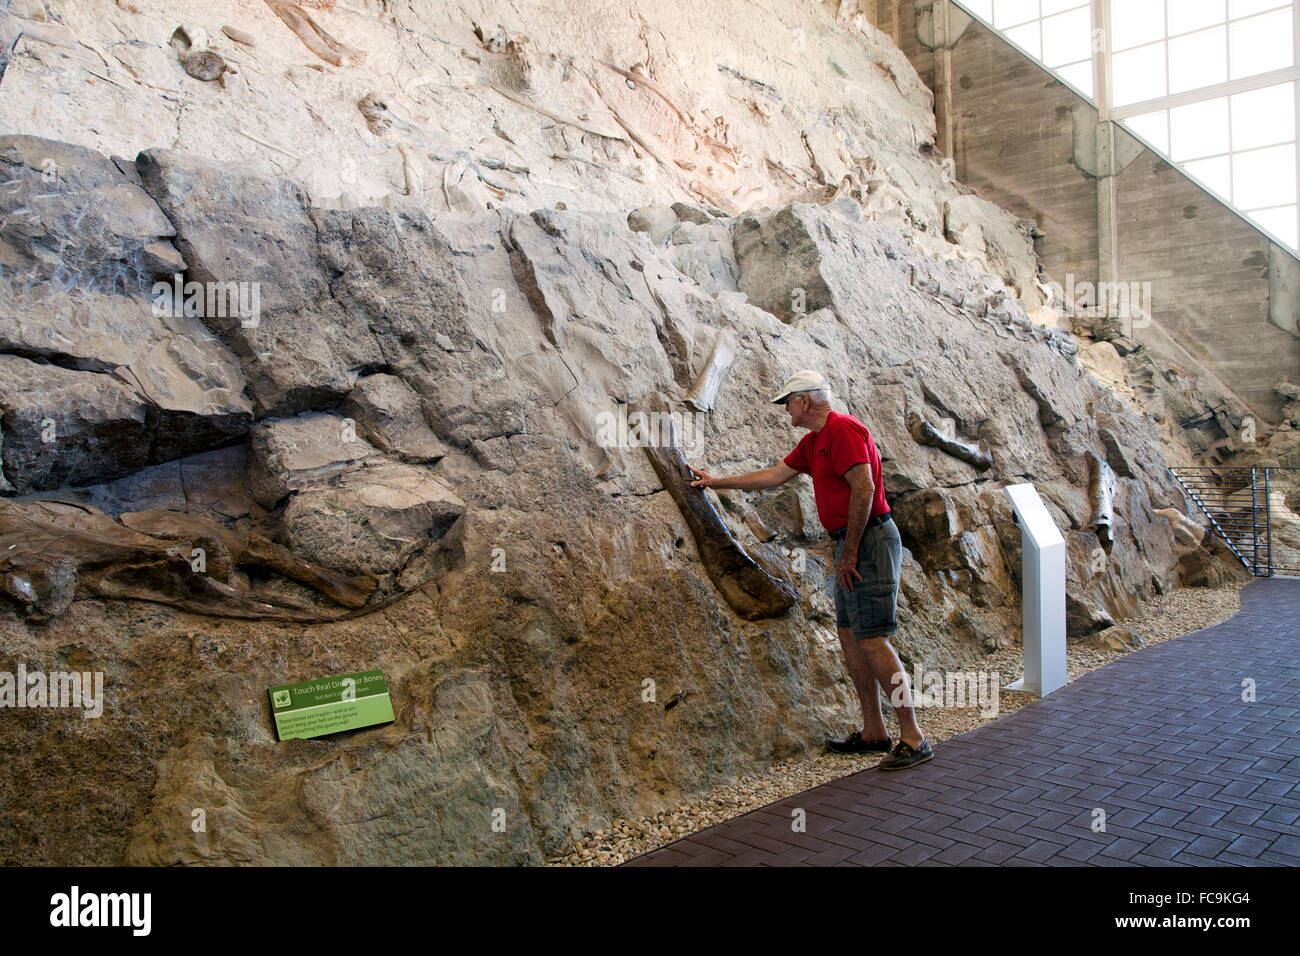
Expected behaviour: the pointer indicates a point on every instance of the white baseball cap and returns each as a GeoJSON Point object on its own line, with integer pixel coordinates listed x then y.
{"type": "Point", "coordinates": [805, 380]}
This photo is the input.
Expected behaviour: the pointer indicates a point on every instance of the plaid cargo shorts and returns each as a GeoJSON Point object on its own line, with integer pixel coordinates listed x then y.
{"type": "Point", "coordinates": [870, 609]}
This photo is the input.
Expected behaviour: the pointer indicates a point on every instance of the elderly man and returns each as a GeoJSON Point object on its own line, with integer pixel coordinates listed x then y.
{"type": "Point", "coordinates": [840, 455]}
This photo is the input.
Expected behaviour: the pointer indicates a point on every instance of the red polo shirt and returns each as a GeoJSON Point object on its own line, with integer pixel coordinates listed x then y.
{"type": "Point", "coordinates": [826, 455]}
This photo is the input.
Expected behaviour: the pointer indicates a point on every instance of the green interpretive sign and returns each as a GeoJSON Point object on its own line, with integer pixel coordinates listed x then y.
{"type": "Point", "coordinates": [315, 708]}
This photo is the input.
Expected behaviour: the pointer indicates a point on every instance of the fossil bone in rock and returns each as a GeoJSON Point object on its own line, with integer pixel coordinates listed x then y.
{"type": "Point", "coordinates": [52, 552]}
{"type": "Point", "coordinates": [1102, 495]}
{"type": "Point", "coordinates": [250, 548]}
{"type": "Point", "coordinates": [203, 65]}
{"type": "Point", "coordinates": [379, 118]}
{"type": "Point", "coordinates": [191, 44]}
{"type": "Point", "coordinates": [239, 36]}
{"type": "Point", "coordinates": [317, 40]}
{"type": "Point", "coordinates": [926, 434]}
{"type": "Point", "coordinates": [705, 390]}
{"type": "Point", "coordinates": [754, 588]}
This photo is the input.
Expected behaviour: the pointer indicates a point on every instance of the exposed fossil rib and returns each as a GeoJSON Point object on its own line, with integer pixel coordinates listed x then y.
{"type": "Point", "coordinates": [633, 174]}
{"type": "Point", "coordinates": [753, 591]}
{"type": "Point", "coordinates": [650, 84]}
{"type": "Point", "coordinates": [524, 102]}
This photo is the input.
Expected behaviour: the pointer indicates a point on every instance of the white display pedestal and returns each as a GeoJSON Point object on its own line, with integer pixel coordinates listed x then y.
{"type": "Point", "coordinates": [1043, 593]}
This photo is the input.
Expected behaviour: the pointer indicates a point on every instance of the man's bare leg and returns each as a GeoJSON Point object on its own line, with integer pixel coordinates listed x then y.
{"type": "Point", "coordinates": [883, 661]}
{"type": "Point", "coordinates": [868, 688]}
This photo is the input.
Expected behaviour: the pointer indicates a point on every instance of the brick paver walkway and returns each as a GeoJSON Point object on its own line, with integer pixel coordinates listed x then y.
{"type": "Point", "coordinates": [1160, 740]}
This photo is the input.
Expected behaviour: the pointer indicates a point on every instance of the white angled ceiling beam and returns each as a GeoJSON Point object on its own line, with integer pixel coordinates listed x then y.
{"type": "Point", "coordinates": [1243, 85]}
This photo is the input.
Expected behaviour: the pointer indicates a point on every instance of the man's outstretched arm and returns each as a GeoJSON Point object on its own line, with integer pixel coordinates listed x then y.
{"type": "Point", "coordinates": [778, 474]}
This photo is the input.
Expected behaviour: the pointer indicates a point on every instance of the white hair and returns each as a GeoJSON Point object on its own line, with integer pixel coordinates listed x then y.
{"type": "Point", "coordinates": [819, 396]}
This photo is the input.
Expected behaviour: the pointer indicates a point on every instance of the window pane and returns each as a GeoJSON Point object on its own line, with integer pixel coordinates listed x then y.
{"type": "Point", "coordinates": [1198, 129]}
{"type": "Point", "coordinates": [1078, 75]}
{"type": "Point", "coordinates": [1027, 38]}
{"type": "Point", "coordinates": [1139, 74]}
{"type": "Point", "coordinates": [1244, 8]}
{"type": "Point", "coordinates": [1215, 174]}
{"type": "Point", "coordinates": [1187, 15]}
{"type": "Point", "coordinates": [1281, 222]}
{"type": "Point", "coordinates": [1060, 6]}
{"type": "Point", "coordinates": [1261, 44]}
{"type": "Point", "coordinates": [1008, 13]}
{"type": "Point", "coordinates": [1263, 117]}
{"type": "Point", "coordinates": [1264, 177]}
{"type": "Point", "coordinates": [1067, 37]}
{"type": "Point", "coordinates": [981, 8]}
{"type": "Point", "coordinates": [1198, 59]}
{"type": "Point", "coordinates": [1152, 127]}
{"type": "Point", "coordinates": [1134, 22]}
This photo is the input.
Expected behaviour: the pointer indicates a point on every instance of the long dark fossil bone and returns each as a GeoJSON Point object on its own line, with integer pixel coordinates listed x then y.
{"type": "Point", "coordinates": [754, 588]}
{"type": "Point", "coordinates": [52, 553]}
{"type": "Point", "coordinates": [926, 434]}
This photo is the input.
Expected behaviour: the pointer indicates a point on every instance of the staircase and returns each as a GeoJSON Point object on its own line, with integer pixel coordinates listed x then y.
{"type": "Point", "coordinates": [1237, 503]}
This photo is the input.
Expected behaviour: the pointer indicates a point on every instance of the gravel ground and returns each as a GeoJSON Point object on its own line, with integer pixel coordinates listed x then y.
{"type": "Point", "coordinates": [1171, 615]}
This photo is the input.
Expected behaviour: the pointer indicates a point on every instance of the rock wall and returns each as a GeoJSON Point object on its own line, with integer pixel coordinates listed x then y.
{"type": "Point", "coordinates": [405, 435]}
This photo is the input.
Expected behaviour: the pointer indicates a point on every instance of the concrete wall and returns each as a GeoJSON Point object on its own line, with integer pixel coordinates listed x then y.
{"type": "Point", "coordinates": [1014, 141]}
{"type": "Point", "coordinates": [1210, 279]}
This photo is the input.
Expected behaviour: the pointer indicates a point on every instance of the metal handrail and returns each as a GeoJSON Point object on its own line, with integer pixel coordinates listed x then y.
{"type": "Point", "coordinates": [1214, 524]}
{"type": "Point", "coordinates": [1268, 522]}
{"type": "Point", "coordinates": [1220, 494]}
